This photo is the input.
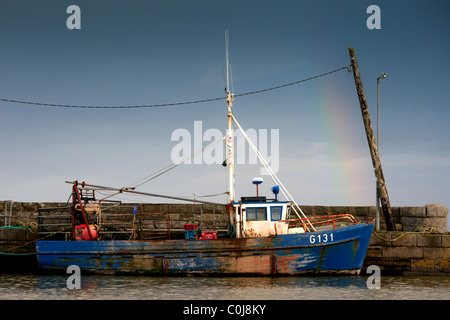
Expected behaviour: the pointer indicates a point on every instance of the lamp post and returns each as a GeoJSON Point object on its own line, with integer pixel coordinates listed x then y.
{"type": "Point", "coordinates": [384, 75]}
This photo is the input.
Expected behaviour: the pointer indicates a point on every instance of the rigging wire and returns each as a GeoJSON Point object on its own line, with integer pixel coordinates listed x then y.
{"type": "Point", "coordinates": [175, 103]}
{"type": "Point", "coordinates": [172, 166]}
{"type": "Point", "coordinates": [272, 174]}
{"type": "Point", "coordinates": [156, 174]}
{"type": "Point", "coordinates": [293, 83]}
{"type": "Point", "coordinates": [111, 107]}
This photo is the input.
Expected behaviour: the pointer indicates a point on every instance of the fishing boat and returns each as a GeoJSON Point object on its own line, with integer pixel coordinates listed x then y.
{"type": "Point", "coordinates": [266, 237]}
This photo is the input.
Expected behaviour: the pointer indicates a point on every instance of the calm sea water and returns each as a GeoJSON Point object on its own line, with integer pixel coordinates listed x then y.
{"type": "Point", "coordinates": [94, 287]}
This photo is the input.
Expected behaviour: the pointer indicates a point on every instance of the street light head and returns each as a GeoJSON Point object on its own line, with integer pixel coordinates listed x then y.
{"type": "Point", "coordinates": [384, 75]}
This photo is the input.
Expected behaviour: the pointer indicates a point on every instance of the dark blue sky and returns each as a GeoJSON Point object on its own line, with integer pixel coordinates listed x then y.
{"type": "Point", "coordinates": [150, 52]}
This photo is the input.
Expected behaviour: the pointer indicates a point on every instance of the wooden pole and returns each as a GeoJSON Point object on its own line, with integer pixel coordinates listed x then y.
{"type": "Point", "coordinates": [381, 184]}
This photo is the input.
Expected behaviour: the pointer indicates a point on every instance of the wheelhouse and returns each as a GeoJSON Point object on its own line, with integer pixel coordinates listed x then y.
{"type": "Point", "coordinates": [259, 217]}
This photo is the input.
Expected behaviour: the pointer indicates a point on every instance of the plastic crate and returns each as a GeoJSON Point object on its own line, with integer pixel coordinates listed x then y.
{"type": "Point", "coordinates": [190, 226]}
{"type": "Point", "coordinates": [209, 235]}
{"type": "Point", "coordinates": [190, 234]}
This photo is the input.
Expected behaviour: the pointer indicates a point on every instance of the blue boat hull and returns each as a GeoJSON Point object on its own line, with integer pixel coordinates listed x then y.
{"type": "Point", "coordinates": [333, 251]}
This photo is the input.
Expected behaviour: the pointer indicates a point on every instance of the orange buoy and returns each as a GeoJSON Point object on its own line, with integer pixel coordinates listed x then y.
{"type": "Point", "coordinates": [93, 233]}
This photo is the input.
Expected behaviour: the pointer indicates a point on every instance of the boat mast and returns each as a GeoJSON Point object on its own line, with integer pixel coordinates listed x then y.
{"type": "Point", "coordinates": [229, 141]}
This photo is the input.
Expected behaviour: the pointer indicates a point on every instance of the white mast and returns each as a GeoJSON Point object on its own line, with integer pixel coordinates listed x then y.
{"type": "Point", "coordinates": [229, 141]}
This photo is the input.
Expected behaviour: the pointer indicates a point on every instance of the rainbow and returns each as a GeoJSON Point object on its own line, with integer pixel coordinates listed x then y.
{"type": "Point", "coordinates": [338, 116]}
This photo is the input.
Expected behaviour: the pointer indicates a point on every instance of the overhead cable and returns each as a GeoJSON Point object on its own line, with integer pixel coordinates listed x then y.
{"type": "Point", "coordinates": [171, 104]}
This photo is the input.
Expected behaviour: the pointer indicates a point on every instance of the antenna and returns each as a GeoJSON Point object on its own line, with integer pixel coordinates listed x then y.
{"type": "Point", "coordinates": [224, 80]}
{"type": "Point", "coordinates": [229, 141]}
{"type": "Point", "coordinates": [227, 44]}
{"type": "Point", "coordinates": [231, 79]}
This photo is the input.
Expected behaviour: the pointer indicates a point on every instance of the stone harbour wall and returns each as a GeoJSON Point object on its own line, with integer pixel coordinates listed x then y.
{"type": "Point", "coordinates": [410, 253]}
{"type": "Point", "coordinates": [429, 218]}
{"type": "Point", "coordinates": [28, 213]}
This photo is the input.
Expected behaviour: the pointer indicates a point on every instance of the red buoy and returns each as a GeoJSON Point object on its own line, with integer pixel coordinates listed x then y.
{"type": "Point", "coordinates": [93, 233]}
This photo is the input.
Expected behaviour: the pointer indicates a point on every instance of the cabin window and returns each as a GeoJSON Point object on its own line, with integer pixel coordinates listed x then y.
{"type": "Point", "coordinates": [275, 213]}
{"type": "Point", "coordinates": [256, 214]}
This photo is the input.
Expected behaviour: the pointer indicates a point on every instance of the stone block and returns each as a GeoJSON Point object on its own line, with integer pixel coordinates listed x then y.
{"type": "Point", "coordinates": [436, 210]}
{"type": "Point", "coordinates": [422, 265]}
{"type": "Point", "coordinates": [29, 207]}
{"type": "Point", "coordinates": [396, 213]}
{"type": "Point", "coordinates": [316, 211]}
{"type": "Point", "coordinates": [445, 240]}
{"type": "Point", "coordinates": [380, 239]}
{"type": "Point", "coordinates": [178, 224]}
{"type": "Point", "coordinates": [40, 205]}
{"type": "Point", "coordinates": [221, 210]}
{"type": "Point", "coordinates": [178, 208]}
{"type": "Point", "coordinates": [173, 216]}
{"type": "Point", "coordinates": [153, 208]}
{"type": "Point", "coordinates": [442, 265]}
{"type": "Point", "coordinates": [52, 204]}
{"type": "Point", "coordinates": [390, 266]}
{"type": "Point", "coordinates": [374, 252]}
{"type": "Point", "coordinates": [361, 212]}
{"type": "Point", "coordinates": [129, 208]}
{"type": "Point", "coordinates": [367, 213]}
{"type": "Point", "coordinates": [412, 212]}
{"type": "Point", "coordinates": [429, 240]}
{"type": "Point", "coordinates": [206, 217]}
{"type": "Point", "coordinates": [197, 209]}
{"type": "Point", "coordinates": [411, 223]}
{"type": "Point", "coordinates": [155, 217]}
{"type": "Point", "coordinates": [402, 252]}
{"type": "Point", "coordinates": [158, 225]}
{"type": "Point", "coordinates": [435, 224]}
{"type": "Point", "coordinates": [22, 217]}
{"type": "Point", "coordinates": [213, 208]}
{"type": "Point", "coordinates": [108, 209]}
{"type": "Point", "coordinates": [16, 207]}
{"type": "Point", "coordinates": [196, 217]}
{"type": "Point", "coordinates": [436, 253]}
{"type": "Point", "coordinates": [403, 240]}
